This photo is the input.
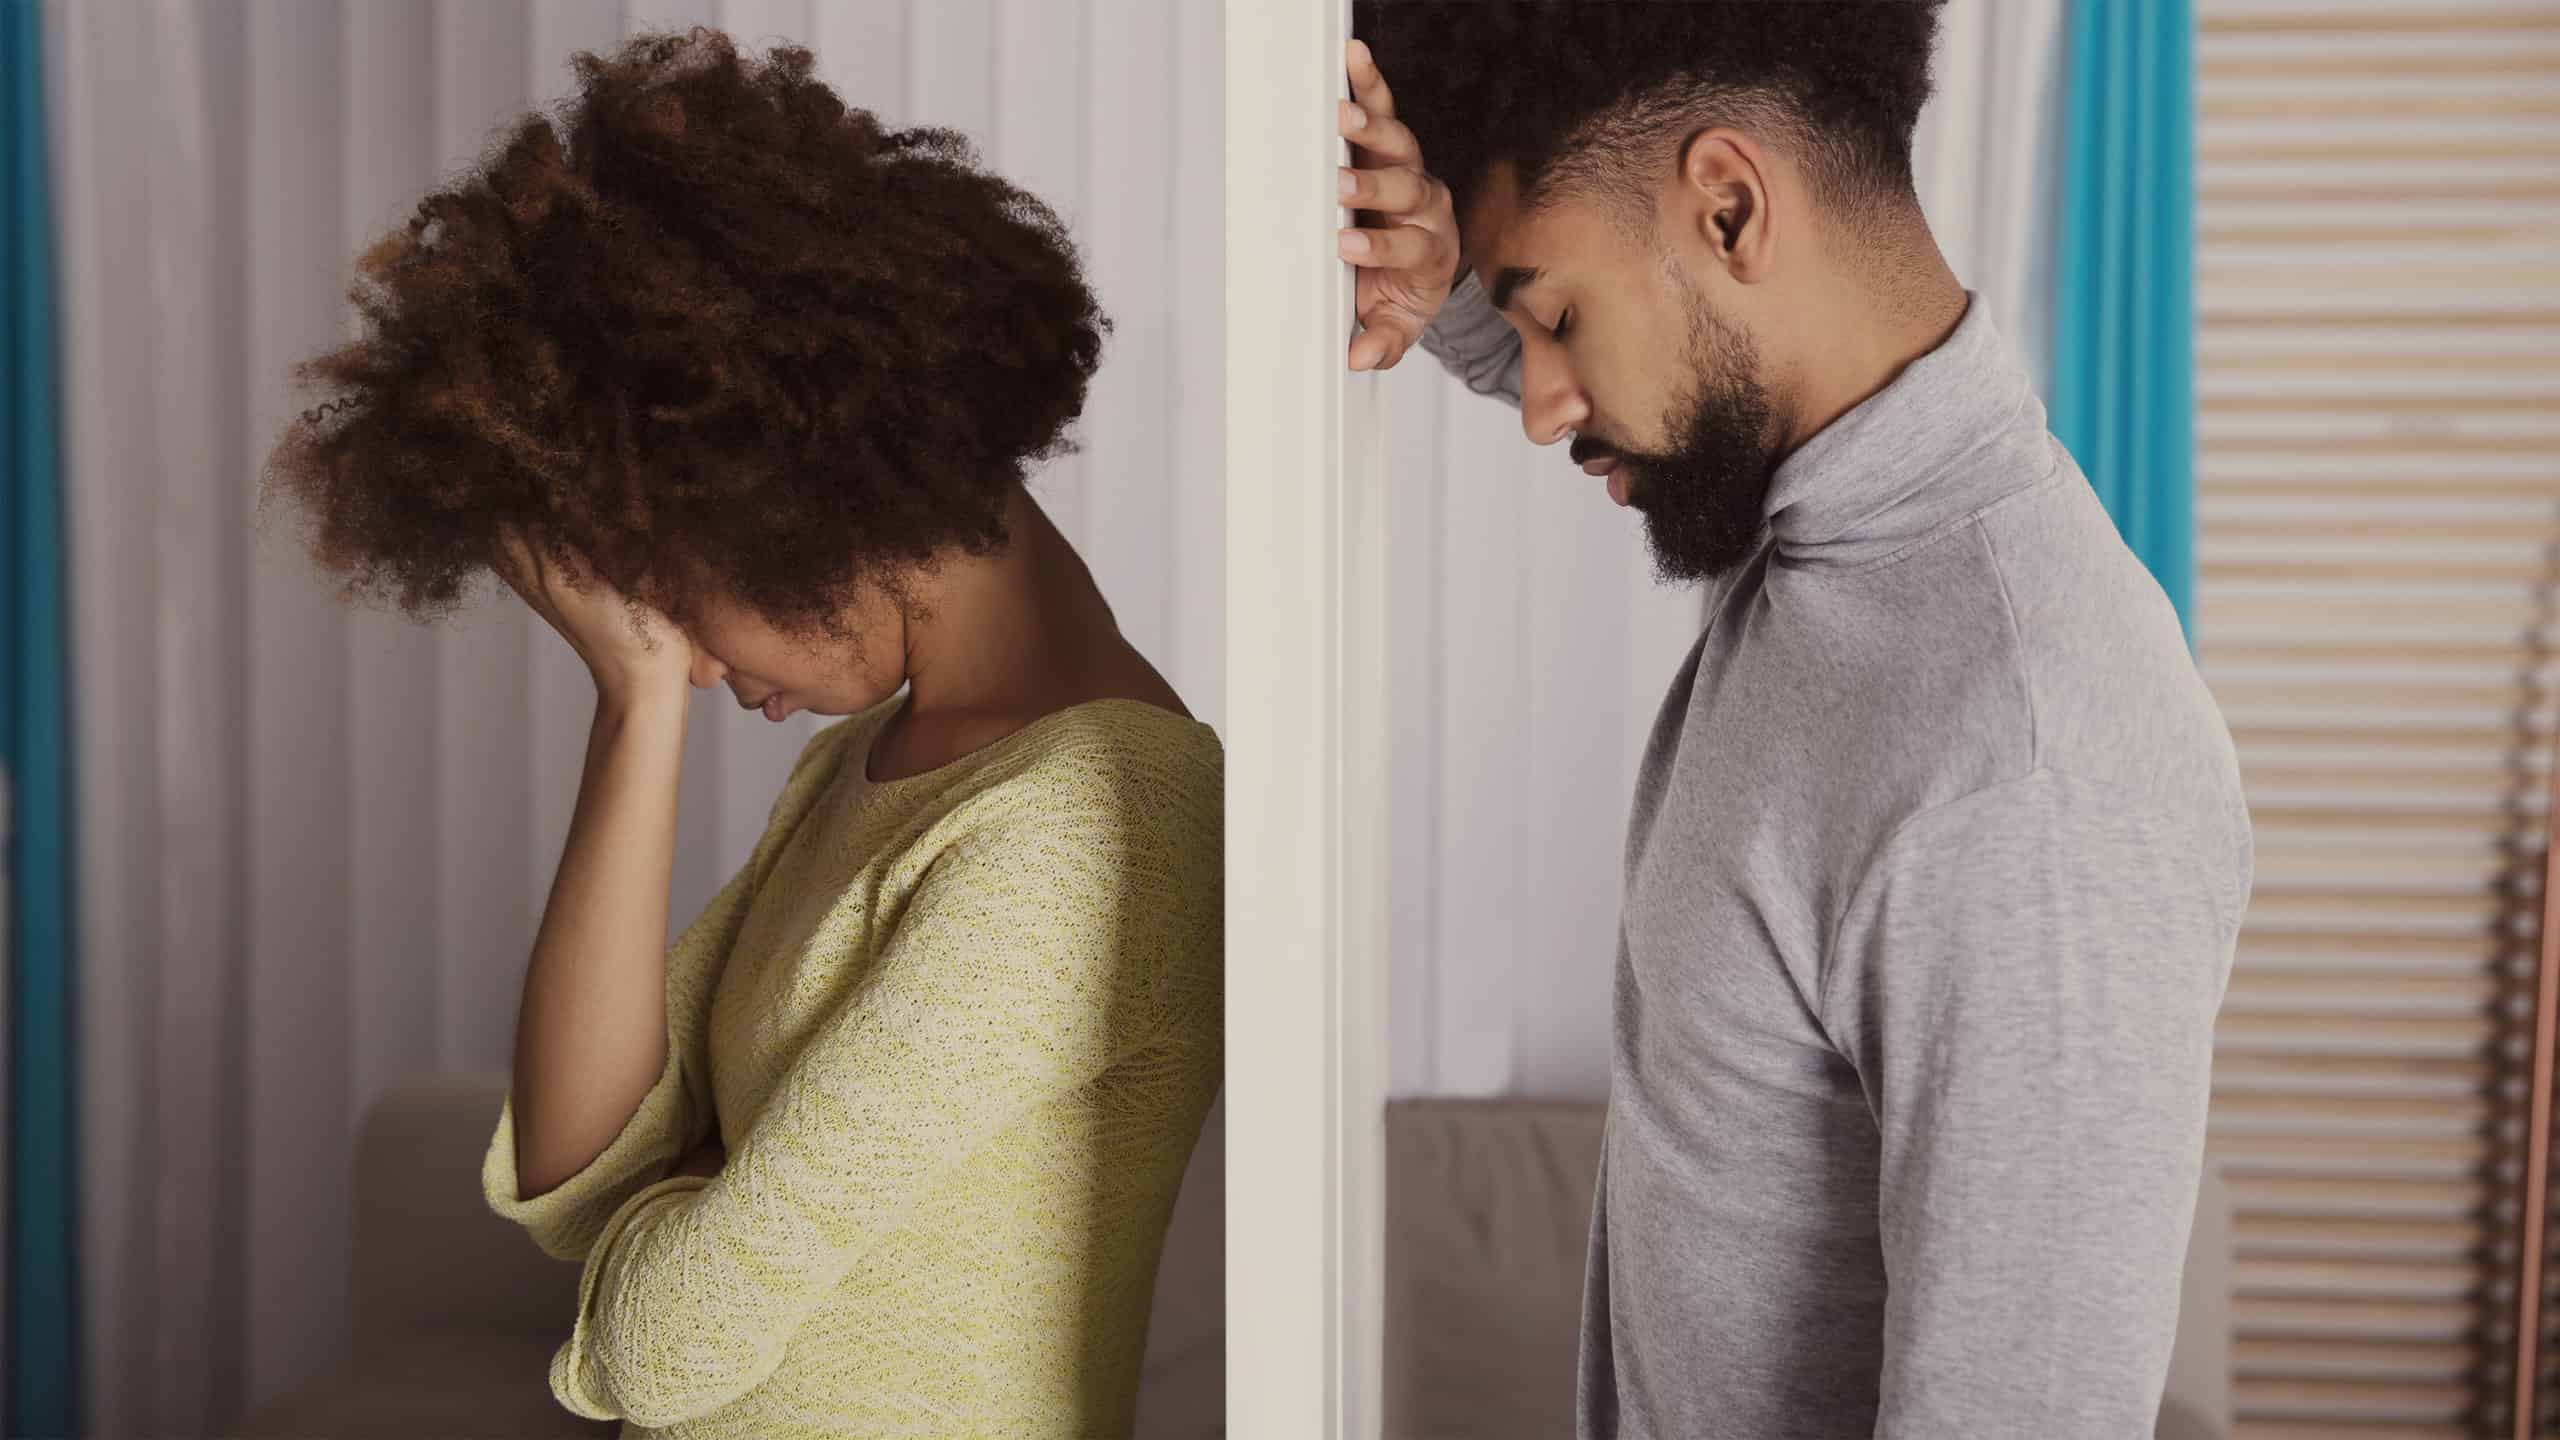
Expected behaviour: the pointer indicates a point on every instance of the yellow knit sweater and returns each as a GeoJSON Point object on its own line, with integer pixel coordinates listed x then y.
{"type": "Point", "coordinates": [958, 1032]}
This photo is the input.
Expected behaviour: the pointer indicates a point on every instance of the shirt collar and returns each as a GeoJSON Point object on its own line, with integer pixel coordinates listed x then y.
{"type": "Point", "coordinates": [1960, 427]}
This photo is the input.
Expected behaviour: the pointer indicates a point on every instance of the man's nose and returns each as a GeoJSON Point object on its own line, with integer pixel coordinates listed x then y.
{"type": "Point", "coordinates": [707, 671]}
{"type": "Point", "coordinates": [1551, 403]}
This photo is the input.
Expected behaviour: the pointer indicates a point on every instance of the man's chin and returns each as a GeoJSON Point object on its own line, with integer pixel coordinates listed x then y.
{"type": "Point", "coordinates": [1682, 561]}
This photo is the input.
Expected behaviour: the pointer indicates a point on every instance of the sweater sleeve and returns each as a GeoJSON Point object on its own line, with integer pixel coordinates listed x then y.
{"type": "Point", "coordinates": [1472, 341]}
{"type": "Point", "coordinates": [1017, 972]}
{"type": "Point", "coordinates": [2026, 983]}
{"type": "Point", "coordinates": [677, 1112]}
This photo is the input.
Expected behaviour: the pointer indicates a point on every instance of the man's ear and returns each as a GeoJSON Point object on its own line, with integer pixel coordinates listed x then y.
{"type": "Point", "coordinates": [1723, 174]}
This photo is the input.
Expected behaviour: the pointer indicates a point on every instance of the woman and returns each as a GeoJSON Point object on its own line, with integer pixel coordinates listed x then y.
{"type": "Point", "coordinates": [732, 385]}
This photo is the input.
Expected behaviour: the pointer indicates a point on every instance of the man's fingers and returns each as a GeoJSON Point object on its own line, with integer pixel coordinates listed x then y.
{"type": "Point", "coordinates": [1377, 140]}
{"type": "Point", "coordinates": [1378, 347]}
{"type": "Point", "coordinates": [1401, 247]}
{"type": "Point", "coordinates": [1396, 190]}
{"type": "Point", "coordinates": [1368, 85]}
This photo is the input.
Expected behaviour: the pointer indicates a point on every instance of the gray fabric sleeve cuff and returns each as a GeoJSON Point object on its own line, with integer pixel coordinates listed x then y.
{"type": "Point", "coordinates": [1472, 341]}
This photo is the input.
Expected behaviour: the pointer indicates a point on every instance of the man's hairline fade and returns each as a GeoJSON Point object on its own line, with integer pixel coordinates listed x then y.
{"type": "Point", "coordinates": [1617, 155]}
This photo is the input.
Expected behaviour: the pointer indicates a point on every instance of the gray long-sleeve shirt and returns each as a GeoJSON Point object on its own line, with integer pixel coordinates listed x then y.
{"type": "Point", "coordinates": [1936, 863]}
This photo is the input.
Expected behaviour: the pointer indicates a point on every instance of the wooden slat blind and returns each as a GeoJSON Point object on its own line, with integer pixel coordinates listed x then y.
{"type": "Point", "coordinates": [2378, 596]}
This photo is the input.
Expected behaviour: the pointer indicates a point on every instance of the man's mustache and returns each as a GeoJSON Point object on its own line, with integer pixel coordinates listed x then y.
{"type": "Point", "coordinates": [1585, 449]}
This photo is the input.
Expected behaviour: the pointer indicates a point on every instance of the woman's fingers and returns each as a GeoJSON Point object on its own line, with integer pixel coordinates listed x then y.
{"type": "Point", "coordinates": [529, 574]}
{"type": "Point", "coordinates": [513, 560]}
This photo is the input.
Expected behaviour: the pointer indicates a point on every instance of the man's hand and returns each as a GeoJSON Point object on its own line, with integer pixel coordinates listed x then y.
{"type": "Point", "coordinates": [704, 1159]}
{"type": "Point", "coordinates": [1406, 239]}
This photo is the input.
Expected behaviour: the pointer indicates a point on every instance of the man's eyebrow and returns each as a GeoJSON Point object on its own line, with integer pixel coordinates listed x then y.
{"type": "Point", "coordinates": [1508, 279]}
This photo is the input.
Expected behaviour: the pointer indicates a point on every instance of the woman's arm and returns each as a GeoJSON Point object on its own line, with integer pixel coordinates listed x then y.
{"type": "Point", "coordinates": [599, 1096]}
{"type": "Point", "coordinates": [676, 1109]}
{"type": "Point", "coordinates": [1025, 963]}
{"type": "Point", "coordinates": [591, 1032]}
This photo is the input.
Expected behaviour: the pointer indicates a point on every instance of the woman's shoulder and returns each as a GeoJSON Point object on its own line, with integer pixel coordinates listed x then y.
{"type": "Point", "coordinates": [1130, 766]}
{"type": "Point", "coordinates": [1109, 788]}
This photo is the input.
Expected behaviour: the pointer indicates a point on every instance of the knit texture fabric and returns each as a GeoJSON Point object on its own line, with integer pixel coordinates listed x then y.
{"type": "Point", "coordinates": [958, 1032]}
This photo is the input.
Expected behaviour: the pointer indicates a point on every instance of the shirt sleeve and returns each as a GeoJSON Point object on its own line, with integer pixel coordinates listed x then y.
{"type": "Point", "coordinates": [2026, 982]}
{"type": "Point", "coordinates": [1007, 983]}
{"type": "Point", "coordinates": [677, 1113]}
{"type": "Point", "coordinates": [1472, 341]}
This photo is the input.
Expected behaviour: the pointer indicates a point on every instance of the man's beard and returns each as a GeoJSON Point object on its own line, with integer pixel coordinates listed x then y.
{"type": "Point", "coordinates": [1704, 500]}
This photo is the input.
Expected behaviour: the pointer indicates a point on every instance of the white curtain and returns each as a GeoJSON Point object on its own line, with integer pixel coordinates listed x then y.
{"type": "Point", "coordinates": [315, 843]}
{"type": "Point", "coordinates": [1530, 646]}
{"type": "Point", "coordinates": [1987, 157]}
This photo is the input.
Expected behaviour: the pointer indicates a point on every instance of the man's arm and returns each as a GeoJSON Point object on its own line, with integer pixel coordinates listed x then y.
{"type": "Point", "coordinates": [1415, 287]}
{"type": "Point", "coordinates": [2026, 980]}
{"type": "Point", "coordinates": [1472, 341]}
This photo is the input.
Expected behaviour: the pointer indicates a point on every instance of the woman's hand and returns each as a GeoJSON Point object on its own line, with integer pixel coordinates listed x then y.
{"type": "Point", "coordinates": [628, 661]}
{"type": "Point", "coordinates": [704, 1159]}
{"type": "Point", "coordinates": [1406, 241]}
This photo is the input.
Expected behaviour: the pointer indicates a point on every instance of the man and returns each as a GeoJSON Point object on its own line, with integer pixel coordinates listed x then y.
{"type": "Point", "coordinates": [1938, 851]}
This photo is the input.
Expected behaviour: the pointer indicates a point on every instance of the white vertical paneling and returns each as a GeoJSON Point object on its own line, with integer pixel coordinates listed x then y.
{"type": "Point", "coordinates": [105, 251]}
{"type": "Point", "coordinates": [757, 24]}
{"type": "Point", "coordinates": [1483, 694]}
{"type": "Point", "coordinates": [393, 950]}
{"type": "Point", "coordinates": [639, 15]}
{"type": "Point", "coordinates": [1040, 140]}
{"type": "Point", "coordinates": [301, 1125]}
{"type": "Point", "coordinates": [483, 665]}
{"type": "Point", "coordinates": [1984, 157]}
{"type": "Point", "coordinates": [1416, 505]}
{"type": "Point", "coordinates": [951, 67]}
{"type": "Point", "coordinates": [1943, 145]}
{"type": "Point", "coordinates": [194, 217]}
{"type": "Point", "coordinates": [1307, 923]}
{"type": "Point", "coordinates": [1573, 644]}
{"type": "Point", "coordinates": [1195, 487]}
{"type": "Point", "coordinates": [316, 841]}
{"type": "Point", "coordinates": [1127, 444]}
{"type": "Point", "coordinates": [862, 52]}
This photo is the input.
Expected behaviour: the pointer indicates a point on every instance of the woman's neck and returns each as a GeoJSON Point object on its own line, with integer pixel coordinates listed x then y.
{"type": "Point", "coordinates": [1022, 631]}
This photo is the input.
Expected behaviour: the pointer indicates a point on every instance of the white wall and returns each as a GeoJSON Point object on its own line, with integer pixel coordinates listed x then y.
{"type": "Point", "coordinates": [316, 842]}
{"type": "Point", "coordinates": [1530, 647]}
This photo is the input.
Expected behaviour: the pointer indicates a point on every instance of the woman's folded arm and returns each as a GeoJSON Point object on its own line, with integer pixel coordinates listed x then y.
{"type": "Point", "coordinates": [1003, 987]}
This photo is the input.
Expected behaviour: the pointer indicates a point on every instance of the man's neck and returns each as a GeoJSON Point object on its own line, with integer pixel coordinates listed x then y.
{"type": "Point", "coordinates": [1868, 340]}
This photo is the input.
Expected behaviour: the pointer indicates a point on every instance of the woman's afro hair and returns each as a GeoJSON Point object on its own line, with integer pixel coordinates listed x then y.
{"type": "Point", "coordinates": [715, 330]}
{"type": "Point", "coordinates": [1565, 89]}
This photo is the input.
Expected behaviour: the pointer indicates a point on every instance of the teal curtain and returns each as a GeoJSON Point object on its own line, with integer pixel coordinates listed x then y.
{"type": "Point", "coordinates": [2124, 307]}
{"type": "Point", "coordinates": [35, 755]}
